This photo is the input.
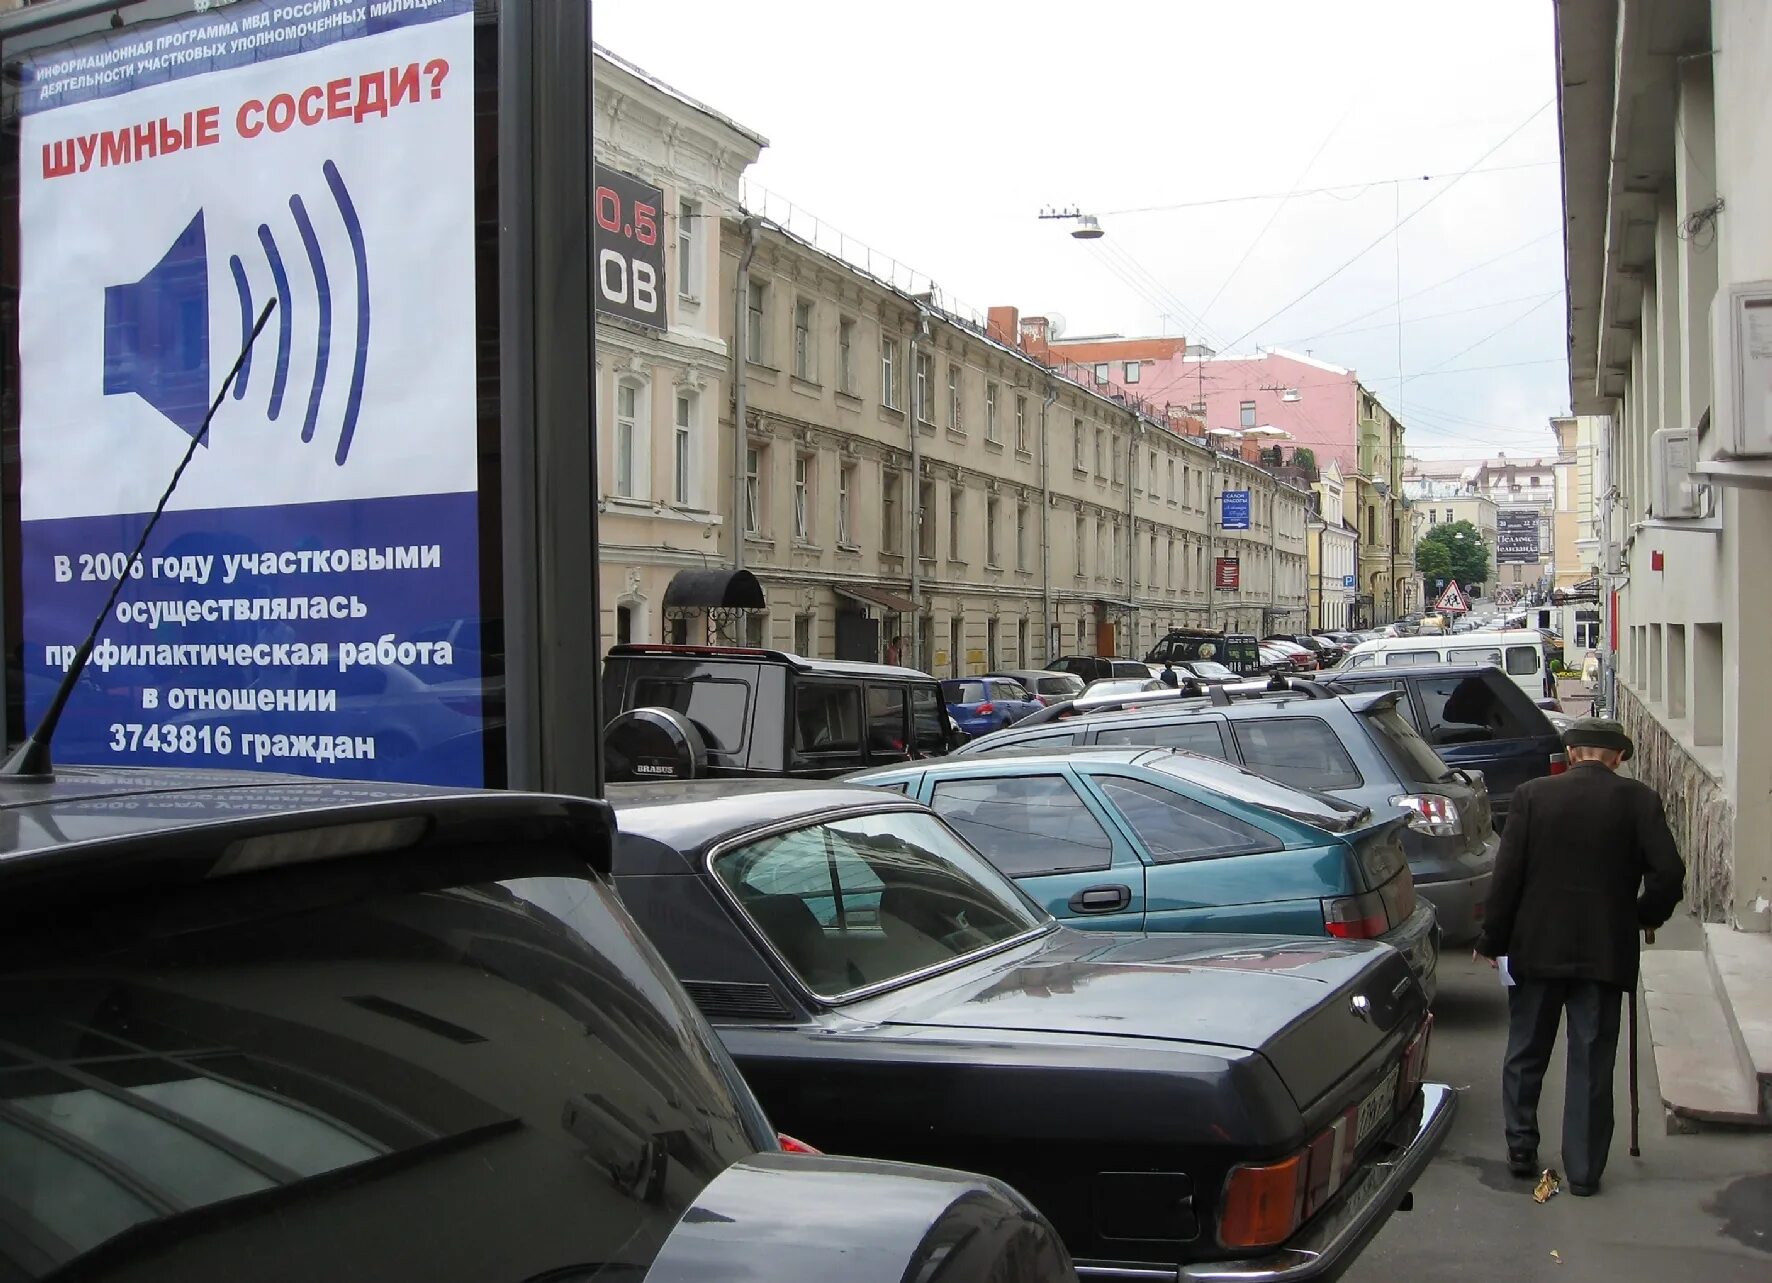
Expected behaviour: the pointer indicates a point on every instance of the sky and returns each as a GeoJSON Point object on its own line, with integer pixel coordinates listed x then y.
{"type": "Point", "coordinates": [936, 133]}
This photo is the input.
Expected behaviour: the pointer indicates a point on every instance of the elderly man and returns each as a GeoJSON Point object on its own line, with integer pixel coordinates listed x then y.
{"type": "Point", "coordinates": [1586, 862]}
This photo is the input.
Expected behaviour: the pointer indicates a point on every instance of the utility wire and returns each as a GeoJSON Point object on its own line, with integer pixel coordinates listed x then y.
{"type": "Point", "coordinates": [1506, 138]}
{"type": "Point", "coordinates": [1322, 191]}
{"type": "Point", "coordinates": [1498, 330]}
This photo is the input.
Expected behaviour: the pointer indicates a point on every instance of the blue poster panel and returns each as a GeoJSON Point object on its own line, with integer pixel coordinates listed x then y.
{"type": "Point", "coordinates": [310, 601]}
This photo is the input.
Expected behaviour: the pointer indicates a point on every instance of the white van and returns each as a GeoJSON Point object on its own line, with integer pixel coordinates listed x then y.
{"type": "Point", "coordinates": [1518, 652]}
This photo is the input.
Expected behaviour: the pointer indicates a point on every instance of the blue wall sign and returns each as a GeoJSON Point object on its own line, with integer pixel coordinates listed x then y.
{"type": "Point", "coordinates": [1233, 510]}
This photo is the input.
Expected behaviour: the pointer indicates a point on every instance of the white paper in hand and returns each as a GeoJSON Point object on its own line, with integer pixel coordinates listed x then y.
{"type": "Point", "coordinates": [1507, 976]}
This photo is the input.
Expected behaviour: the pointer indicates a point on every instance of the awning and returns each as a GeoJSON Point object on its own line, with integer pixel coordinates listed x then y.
{"type": "Point", "coordinates": [713, 590]}
{"type": "Point", "coordinates": [882, 597]}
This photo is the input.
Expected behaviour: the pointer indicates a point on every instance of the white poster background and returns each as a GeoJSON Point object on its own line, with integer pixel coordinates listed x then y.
{"type": "Point", "coordinates": [410, 176]}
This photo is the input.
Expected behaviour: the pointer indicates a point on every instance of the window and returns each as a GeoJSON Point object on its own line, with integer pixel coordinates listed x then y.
{"type": "Point", "coordinates": [845, 491]}
{"type": "Point", "coordinates": [928, 721]}
{"type": "Point", "coordinates": [688, 249]}
{"type": "Point", "coordinates": [990, 535]}
{"type": "Point", "coordinates": [1433, 518]}
{"type": "Point", "coordinates": [891, 524]}
{"type": "Point", "coordinates": [1467, 710]}
{"type": "Point", "coordinates": [1101, 373]}
{"type": "Point", "coordinates": [864, 900]}
{"type": "Point", "coordinates": [1132, 371]}
{"type": "Point", "coordinates": [925, 519]}
{"type": "Point", "coordinates": [716, 705]}
{"type": "Point", "coordinates": [956, 644]}
{"type": "Point", "coordinates": [1298, 750]}
{"type": "Point", "coordinates": [1026, 825]}
{"type": "Point", "coordinates": [804, 367]}
{"type": "Point", "coordinates": [1197, 736]}
{"type": "Point", "coordinates": [886, 720]}
{"type": "Point", "coordinates": [1118, 466]}
{"type": "Point", "coordinates": [1077, 444]}
{"type": "Point", "coordinates": [846, 356]}
{"type": "Point", "coordinates": [624, 625]}
{"type": "Point", "coordinates": [956, 420]}
{"type": "Point", "coordinates": [1116, 563]}
{"type": "Point", "coordinates": [683, 451]}
{"type": "Point", "coordinates": [1077, 544]}
{"type": "Point", "coordinates": [802, 634]}
{"type": "Point", "coordinates": [1151, 578]}
{"type": "Point", "coordinates": [889, 373]}
{"type": "Point", "coordinates": [1173, 827]}
{"type": "Point", "coordinates": [1101, 452]}
{"type": "Point", "coordinates": [628, 443]}
{"type": "Point", "coordinates": [753, 629]}
{"type": "Point", "coordinates": [1474, 655]}
{"type": "Point", "coordinates": [1082, 633]}
{"type": "Point", "coordinates": [1021, 424]}
{"type": "Point", "coordinates": [1171, 471]}
{"type": "Point", "coordinates": [802, 497]}
{"type": "Point", "coordinates": [756, 332]}
{"type": "Point", "coordinates": [1152, 474]}
{"type": "Point", "coordinates": [1246, 414]}
{"type": "Point", "coordinates": [827, 715]}
{"type": "Point", "coordinates": [990, 412]}
{"type": "Point", "coordinates": [1169, 566]}
{"type": "Point", "coordinates": [1021, 546]}
{"type": "Point", "coordinates": [1522, 661]}
{"type": "Point", "coordinates": [925, 376]}
{"type": "Point", "coordinates": [956, 506]}
{"type": "Point", "coordinates": [753, 490]}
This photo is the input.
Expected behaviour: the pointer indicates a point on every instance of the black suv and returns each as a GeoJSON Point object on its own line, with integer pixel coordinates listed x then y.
{"type": "Point", "coordinates": [288, 1029]}
{"type": "Point", "coordinates": [1093, 668]}
{"type": "Point", "coordinates": [1356, 746]}
{"type": "Point", "coordinates": [1475, 717]}
{"type": "Point", "coordinates": [726, 711]}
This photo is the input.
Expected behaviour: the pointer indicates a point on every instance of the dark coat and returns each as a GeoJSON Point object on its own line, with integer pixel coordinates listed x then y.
{"type": "Point", "coordinates": [1586, 861]}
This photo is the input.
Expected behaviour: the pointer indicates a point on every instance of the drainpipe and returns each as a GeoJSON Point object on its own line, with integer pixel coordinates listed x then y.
{"type": "Point", "coordinates": [1132, 443]}
{"type": "Point", "coordinates": [913, 414]}
{"type": "Point", "coordinates": [1046, 522]}
{"type": "Point", "coordinates": [740, 354]}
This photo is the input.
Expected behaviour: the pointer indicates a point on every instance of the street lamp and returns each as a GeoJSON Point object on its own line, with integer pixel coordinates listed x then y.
{"type": "Point", "coordinates": [1088, 226]}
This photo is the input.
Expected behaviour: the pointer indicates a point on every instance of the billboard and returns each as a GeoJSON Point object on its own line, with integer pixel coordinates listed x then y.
{"type": "Point", "coordinates": [1228, 573]}
{"type": "Point", "coordinates": [1516, 535]}
{"type": "Point", "coordinates": [310, 600]}
{"type": "Point", "coordinates": [630, 252]}
{"type": "Point", "coordinates": [1233, 510]}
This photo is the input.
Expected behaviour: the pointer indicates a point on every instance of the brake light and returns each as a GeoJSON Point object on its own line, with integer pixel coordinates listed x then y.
{"type": "Point", "coordinates": [1263, 1203]}
{"type": "Point", "coordinates": [986, 707]}
{"type": "Point", "coordinates": [791, 1146]}
{"type": "Point", "coordinates": [1559, 763]}
{"type": "Point", "coordinates": [1356, 917]}
{"type": "Point", "coordinates": [1432, 813]}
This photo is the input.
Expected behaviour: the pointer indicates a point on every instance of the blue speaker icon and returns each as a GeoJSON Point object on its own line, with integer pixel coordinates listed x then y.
{"type": "Point", "coordinates": [157, 328]}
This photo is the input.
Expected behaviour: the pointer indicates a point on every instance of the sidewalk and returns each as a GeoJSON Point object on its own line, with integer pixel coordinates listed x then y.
{"type": "Point", "coordinates": [1576, 698]}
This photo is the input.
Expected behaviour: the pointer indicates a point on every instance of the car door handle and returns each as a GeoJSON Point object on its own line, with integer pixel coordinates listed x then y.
{"type": "Point", "coordinates": [1104, 899]}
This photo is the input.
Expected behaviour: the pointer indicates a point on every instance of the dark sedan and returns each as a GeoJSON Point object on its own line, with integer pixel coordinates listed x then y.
{"type": "Point", "coordinates": [1232, 1107]}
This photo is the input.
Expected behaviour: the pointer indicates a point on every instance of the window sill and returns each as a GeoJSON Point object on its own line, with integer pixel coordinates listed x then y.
{"type": "Point", "coordinates": [1022, 452]}
{"type": "Point", "coordinates": [1077, 471]}
{"type": "Point", "coordinates": [993, 568]}
{"type": "Point", "coordinates": [891, 411]}
{"type": "Point", "coordinates": [806, 387]}
{"type": "Point", "coordinates": [761, 365]}
{"type": "Point", "coordinates": [761, 541]}
{"type": "Point", "coordinates": [956, 434]}
{"type": "Point", "coordinates": [802, 545]}
{"type": "Point", "coordinates": [994, 446]}
{"type": "Point", "coordinates": [854, 549]}
{"type": "Point", "coordinates": [848, 400]}
{"type": "Point", "coordinates": [631, 506]}
{"type": "Point", "coordinates": [689, 300]}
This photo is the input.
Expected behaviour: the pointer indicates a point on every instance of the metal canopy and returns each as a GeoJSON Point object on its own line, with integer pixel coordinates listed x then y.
{"type": "Point", "coordinates": [882, 597]}
{"type": "Point", "coordinates": [713, 590]}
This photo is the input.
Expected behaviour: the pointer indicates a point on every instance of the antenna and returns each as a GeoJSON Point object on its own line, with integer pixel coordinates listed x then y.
{"type": "Point", "coordinates": [32, 760]}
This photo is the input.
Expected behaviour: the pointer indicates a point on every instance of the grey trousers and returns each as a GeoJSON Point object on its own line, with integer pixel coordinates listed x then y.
{"type": "Point", "coordinates": [1534, 1010]}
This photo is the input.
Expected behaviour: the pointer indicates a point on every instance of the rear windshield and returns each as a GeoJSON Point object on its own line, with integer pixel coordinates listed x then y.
{"type": "Point", "coordinates": [1302, 750]}
{"type": "Point", "coordinates": [717, 705]}
{"type": "Point", "coordinates": [964, 692]}
{"type": "Point", "coordinates": [1068, 684]}
{"type": "Point", "coordinates": [1406, 751]}
{"type": "Point", "coordinates": [503, 1064]}
{"type": "Point", "coordinates": [1231, 781]}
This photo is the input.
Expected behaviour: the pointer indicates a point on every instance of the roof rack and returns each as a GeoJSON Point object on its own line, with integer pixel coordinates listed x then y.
{"type": "Point", "coordinates": [1216, 696]}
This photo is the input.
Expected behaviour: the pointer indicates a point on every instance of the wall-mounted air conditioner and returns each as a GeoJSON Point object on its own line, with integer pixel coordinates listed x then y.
{"type": "Point", "coordinates": [1741, 370]}
{"type": "Point", "coordinates": [1678, 495]}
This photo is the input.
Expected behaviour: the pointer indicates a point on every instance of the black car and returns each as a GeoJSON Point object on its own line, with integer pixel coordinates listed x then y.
{"type": "Point", "coordinates": [1475, 717]}
{"type": "Point", "coordinates": [1356, 746]}
{"type": "Point", "coordinates": [1093, 668]}
{"type": "Point", "coordinates": [680, 712]}
{"type": "Point", "coordinates": [1238, 651]}
{"type": "Point", "coordinates": [1191, 1102]}
{"type": "Point", "coordinates": [293, 1030]}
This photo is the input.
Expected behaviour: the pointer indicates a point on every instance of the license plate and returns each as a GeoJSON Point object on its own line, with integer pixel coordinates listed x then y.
{"type": "Point", "coordinates": [1376, 1108]}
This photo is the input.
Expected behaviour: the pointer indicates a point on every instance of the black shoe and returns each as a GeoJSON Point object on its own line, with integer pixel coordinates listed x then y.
{"type": "Point", "coordinates": [1522, 1163]}
{"type": "Point", "coordinates": [1584, 1191]}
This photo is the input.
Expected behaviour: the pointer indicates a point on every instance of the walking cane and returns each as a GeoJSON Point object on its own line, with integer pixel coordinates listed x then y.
{"type": "Point", "coordinates": [1635, 1149]}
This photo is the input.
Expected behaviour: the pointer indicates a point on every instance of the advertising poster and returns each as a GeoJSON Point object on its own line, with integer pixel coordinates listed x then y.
{"type": "Point", "coordinates": [309, 602]}
{"type": "Point", "coordinates": [1233, 510]}
{"type": "Point", "coordinates": [1516, 536]}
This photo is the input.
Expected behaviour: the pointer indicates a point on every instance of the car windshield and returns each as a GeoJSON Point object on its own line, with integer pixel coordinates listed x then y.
{"type": "Point", "coordinates": [964, 692]}
{"type": "Point", "coordinates": [1206, 668]}
{"type": "Point", "coordinates": [862, 901]}
{"type": "Point", "coordinates": [1121, 686]}
{"type": "Point", "coordinates": [188, 1080]}
{"type": "Point", "coordinates": [1403, 747]}
{"type": "Point", "coordinates": [1229, 780]}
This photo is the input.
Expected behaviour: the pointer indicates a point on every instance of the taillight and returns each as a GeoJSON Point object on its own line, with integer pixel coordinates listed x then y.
{"type": "Point", "coordinates": [1263, 1203]}
{"type": "Point", "coordinates": [1356, 917]}
{"type": "Point", "coordinates": [986, 707]}
{"type": "Point", "coordinates": [1432, 813]}
{"type": "Point", "coordinates": [791, 1146]}
{"type": "Point", "coordinates": [1559, 763]}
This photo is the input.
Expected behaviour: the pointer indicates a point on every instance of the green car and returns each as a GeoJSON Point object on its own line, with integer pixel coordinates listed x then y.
{"type": "Point", "coordinates": [1150, 839]}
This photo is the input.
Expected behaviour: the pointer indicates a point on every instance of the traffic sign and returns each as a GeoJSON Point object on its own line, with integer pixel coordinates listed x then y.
{"type": "Point", "coordinates": [1452, 601]}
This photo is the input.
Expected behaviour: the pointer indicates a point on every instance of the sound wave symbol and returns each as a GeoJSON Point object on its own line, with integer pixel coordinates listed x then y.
{"type": "Point", "coordinates": [353, 226]}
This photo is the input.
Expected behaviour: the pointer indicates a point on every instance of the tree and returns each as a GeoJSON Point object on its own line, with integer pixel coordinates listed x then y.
{"type": "Point", "coordinates": [1453, 551]}
{"type": "Point", "coordinates": [1305, 460]}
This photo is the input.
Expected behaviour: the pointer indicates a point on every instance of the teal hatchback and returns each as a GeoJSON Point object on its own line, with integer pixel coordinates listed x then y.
{"type": "Point", "coordinates": [1146, 839]}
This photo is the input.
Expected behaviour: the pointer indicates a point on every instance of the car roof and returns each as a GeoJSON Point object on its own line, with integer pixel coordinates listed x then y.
{"type": "Point", "coordinates": [1018, 673]}
{"type": "Point", "coordinates": [1411, 670]}
{"type": "Point", "coordinates": [1114, 754]}
{"type": "Point", "coordinates": [754, 655]}
{"type": "Point", "coordinates": [1430, 640]}
{"type": "Point", "coordinates": [690, 815]}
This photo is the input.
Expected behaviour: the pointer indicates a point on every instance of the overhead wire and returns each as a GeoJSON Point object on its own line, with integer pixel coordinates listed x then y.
{"type": "Point", "coordinates": [1496, 332]}
{"type": "Point", "coordinates": [1357, 188]}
